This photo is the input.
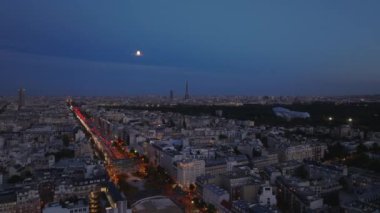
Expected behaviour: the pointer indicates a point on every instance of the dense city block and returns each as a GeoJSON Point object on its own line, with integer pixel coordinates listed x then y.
{"type": "Point", "coordinates": [138, 155]}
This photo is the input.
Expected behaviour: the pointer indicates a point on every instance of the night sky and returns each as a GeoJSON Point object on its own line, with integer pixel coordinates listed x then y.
{"type": "Point", "coordinates": [223, 47]}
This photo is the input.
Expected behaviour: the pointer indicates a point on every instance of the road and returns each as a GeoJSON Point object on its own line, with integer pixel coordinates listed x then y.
{"type": "Point", "coordinates": [104, 144]}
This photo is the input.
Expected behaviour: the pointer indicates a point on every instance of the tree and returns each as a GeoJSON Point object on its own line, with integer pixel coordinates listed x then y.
{"type": "Point", "coordinates": [66, 140]}
{"type": "Point", "coordinates": [15, 179]}
{"type": "Point", "coordinates": [222, 137]}
{"type": "Point", "coordinates": [264, 141]}
{"type": "Point", "coordinates": [192, 187]}
{"type": "Point", "coordinates": [145, 159]}
{"type": "Point", "coordinates": [361, 148]}
{"type": "Point", "coordinates": [256, 153]}
{"type": "Point", "coordinates": [211, 208]}
{"type": "Point", "coordinates": [375, 148]}
{"type": "Point", "coordinates": [301, 172]}
{"type": "Point", "coordinates": [152, 172]}
{"type": "Point", "coordinates": [197, 202]}
{"type": "Point", "coordinates": [26, 174]}
{"type": "Point", "coordinates": [345, 182]}
{"type": "Point", "coordinates": [335, 151]}
{"type": "Point", "coordinates": [237, 152]}
{"type": "Point", "coordinates": [64, 153]}
{"type": "Point", "coordinates": [125, 187]}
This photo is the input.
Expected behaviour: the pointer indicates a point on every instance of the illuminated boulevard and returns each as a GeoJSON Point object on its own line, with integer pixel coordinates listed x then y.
{"type": "Point", "coordinates": [104, 146]}
{"type": "Point", "coordinates": [114, 153]}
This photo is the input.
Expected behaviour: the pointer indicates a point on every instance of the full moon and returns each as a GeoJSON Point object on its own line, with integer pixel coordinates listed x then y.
{"type": "Point", "coordinates": [138, 53]}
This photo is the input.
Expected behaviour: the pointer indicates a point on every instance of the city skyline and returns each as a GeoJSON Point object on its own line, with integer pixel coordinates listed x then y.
{"type": "Point", "coordinates": [173, 106]}
{"type": "Point", "coordinates": [183, 95]}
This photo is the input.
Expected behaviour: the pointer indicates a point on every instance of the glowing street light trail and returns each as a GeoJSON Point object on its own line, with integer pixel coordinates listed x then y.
{"type": "Point", "coordinates": [99, 139]}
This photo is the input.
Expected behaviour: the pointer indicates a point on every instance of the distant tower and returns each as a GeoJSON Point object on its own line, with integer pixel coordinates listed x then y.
{"type": "Point", "coordinates": [21, 98]}
{"type": "Point", "coordinates": [171, 95]}
{"type": "Point", "coordinates": [187, 96]}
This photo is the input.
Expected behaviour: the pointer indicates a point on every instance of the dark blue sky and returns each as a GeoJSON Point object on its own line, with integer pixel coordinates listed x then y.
{"type": "Point", "coordinates": [242, 47]}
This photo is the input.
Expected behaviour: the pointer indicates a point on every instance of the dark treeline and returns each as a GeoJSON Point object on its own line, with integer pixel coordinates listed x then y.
{"type": "Point", "coordinates": [365, 115]}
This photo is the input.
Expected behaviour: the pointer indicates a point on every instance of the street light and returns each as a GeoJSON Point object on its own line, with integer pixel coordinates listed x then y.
{"type": "Point", "coordinates": [331, 118]}
{"type": "Point", "coordinates": [349, 120]}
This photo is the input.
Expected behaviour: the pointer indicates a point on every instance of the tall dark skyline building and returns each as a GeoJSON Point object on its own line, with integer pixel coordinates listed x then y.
{"type": "Point", "coordinates": [21, 98]}
{"type": "Point", "coordinates": [187, 96]}
{"type": "Point", "coordinates": [171, 95]}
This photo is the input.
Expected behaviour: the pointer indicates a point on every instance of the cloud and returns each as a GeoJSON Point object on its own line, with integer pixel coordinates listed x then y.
{"type": "Point", "coordinates": [58, 75]}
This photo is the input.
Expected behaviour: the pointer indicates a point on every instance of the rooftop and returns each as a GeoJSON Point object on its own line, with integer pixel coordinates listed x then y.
{"type": "Point", "coordinates": [158, 204]}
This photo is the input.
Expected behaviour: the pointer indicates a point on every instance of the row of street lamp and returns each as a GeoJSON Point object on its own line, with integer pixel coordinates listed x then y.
{"type": "Point", "coordinates": [349, 120]}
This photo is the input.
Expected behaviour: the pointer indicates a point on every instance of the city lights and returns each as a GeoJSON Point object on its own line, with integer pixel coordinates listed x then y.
{"type": "Point", "coordinates": [190, 107]}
